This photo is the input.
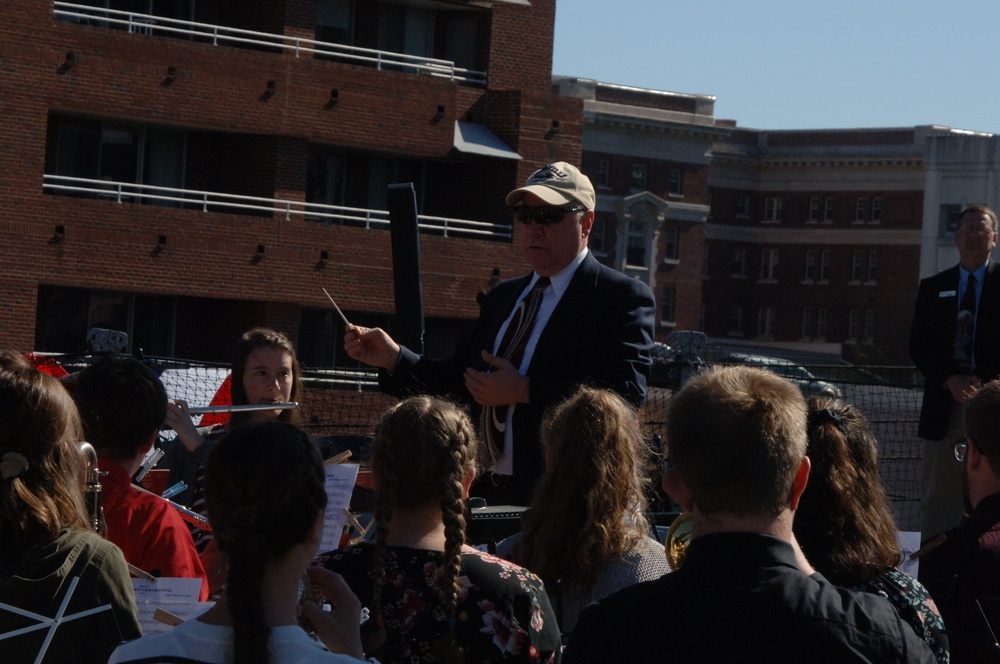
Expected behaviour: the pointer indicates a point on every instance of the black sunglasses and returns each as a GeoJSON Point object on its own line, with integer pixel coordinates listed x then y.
{"type": "Point", "coordinates": [543, 215]}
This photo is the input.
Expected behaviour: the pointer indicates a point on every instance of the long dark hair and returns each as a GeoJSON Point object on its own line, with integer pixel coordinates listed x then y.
{"type": "Point", "coordinates": [264, 489]}
{"type": "Point", "coordinates": [251, 340]}
{"type": "Point", "coordinates": [844, 522]}
{"type": "Point", "coordinates": [424, 448]}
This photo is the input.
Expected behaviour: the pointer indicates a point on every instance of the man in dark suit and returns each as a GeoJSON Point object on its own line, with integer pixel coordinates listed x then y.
{"type": "Point", "coordinates": [587, 324]}
{"type": "Point", "coordinates": [953, 343]}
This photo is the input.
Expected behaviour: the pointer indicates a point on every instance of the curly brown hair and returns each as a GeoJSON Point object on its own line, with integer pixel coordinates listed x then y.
{"type": "Point", "coordinates": [589, 504]}
{"type": "Point", "coordinates": [844, 523]}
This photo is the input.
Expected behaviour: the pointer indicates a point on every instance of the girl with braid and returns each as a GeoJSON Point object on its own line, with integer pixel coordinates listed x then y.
{"type": "Point", "coordinates": [266, 503]}
{"type": "Point", "coordinates": [431, 597]}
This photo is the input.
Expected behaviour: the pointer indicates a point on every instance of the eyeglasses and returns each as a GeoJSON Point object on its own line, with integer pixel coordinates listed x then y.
{"type": "Point", "coordinates": [978, 230]}
{"type": "Point", "coordinates": [544, 215]}
{"type": "Point", "coordinates": [961, 447]}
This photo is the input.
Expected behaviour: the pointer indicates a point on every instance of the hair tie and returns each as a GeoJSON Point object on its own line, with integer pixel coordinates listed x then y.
{"type": "Point", "coordinates": [13, 464]}
{"type": "Point", "coordinates": [826, 416]}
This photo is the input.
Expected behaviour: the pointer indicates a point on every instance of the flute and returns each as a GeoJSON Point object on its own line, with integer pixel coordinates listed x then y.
{"type": "Point", "coordinates": [243, 408]}
{"type": "Point", "coordinates": [190, 516]}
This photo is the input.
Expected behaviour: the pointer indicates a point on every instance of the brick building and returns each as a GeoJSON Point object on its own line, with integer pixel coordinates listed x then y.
{"type": "Point", "coordinates": [815, 238]}
{"type": "Point", "coordinates": [648, 153]}
{"type": "Point", "coordinates": [183, 170]}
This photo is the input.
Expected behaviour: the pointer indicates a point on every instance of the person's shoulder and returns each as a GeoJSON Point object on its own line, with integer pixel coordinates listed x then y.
{"type": "Point", "coordinates": [192, 641]}
{"type": "Point", "coordinates": [484, 564]}
{"type": "Point", "coordinates": [644, 596]}
{"type": "Point", "coordinates": [947, 274]}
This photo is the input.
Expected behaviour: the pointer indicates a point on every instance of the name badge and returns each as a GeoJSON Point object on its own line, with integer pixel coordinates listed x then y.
{"type": "Point", "coordinates": [948, 293]}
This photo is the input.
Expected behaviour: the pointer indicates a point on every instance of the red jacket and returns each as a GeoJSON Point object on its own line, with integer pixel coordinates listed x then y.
{"type": "Point", "coordinates": [148, 530]}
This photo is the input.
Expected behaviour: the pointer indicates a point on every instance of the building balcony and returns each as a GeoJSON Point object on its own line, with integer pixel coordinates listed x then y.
{"type": "Point", "coordinates": [156, 25]}
{"type": "Point", "coordinates": [214, 201]}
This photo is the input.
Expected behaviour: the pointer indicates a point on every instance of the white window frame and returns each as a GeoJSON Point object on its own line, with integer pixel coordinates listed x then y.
{"type": "Point", "coordinates": [772, 209]}
{"type": "Point", "coordinates": [768, 265]}
{"type": "Point", "coordinates": [860, 208]}
{"type": "Point", "coordinates": [810, 273]}
{"type": "Point", "coordinates": [856, 265]}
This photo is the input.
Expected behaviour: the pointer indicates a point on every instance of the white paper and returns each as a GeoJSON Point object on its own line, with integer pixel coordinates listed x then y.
{"type": "Point", "coordinates": [909, 541]}
{"type": "Point", "coordinates": [340, 479]}
{"type": "Point", "coordinates": [178, 596]}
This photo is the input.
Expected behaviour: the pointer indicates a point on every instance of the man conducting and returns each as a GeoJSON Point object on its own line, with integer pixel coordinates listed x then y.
{"type": "Point", "coordinates": [736, 439]}
{"type": "Point", "coordinates": [569, 321]}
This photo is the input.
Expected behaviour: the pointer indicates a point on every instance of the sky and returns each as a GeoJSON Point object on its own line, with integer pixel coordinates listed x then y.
{"type": "Point", "coordinates": [797, 64]}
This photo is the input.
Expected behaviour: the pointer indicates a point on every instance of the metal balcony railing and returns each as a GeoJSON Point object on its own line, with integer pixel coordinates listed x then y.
{"type": "Point", "coordinates": [214, 201]}
{"type": "Point", "coordinates": [149, 24]}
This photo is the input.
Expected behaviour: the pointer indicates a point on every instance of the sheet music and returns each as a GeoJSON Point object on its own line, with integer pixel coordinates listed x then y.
{"type": "Point", "coordinates": [340, 479]}
{"type": "Point", "coordinates": [176, 595]}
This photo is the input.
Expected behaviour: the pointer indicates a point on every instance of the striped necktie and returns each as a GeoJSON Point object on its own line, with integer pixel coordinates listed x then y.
{"type": "Point", "coordinates": [493, 419]}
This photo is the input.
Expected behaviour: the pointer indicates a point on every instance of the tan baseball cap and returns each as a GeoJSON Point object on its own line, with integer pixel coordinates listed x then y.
{"type": "Point", "coordinates": [557, 184]}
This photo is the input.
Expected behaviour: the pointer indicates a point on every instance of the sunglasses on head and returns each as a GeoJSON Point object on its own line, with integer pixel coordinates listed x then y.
{"type": "Point", "coordinates": [543, 214]}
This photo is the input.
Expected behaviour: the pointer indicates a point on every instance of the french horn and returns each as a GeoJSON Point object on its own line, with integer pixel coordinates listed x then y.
{"type": "Point", "coordinates": [92, 489]}
{"type": "Point", "coordinates": [677, 540]}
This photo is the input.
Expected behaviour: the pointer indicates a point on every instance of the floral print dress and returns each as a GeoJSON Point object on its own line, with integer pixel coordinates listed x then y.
{"type": "Point", "coordinates": [503, 613]}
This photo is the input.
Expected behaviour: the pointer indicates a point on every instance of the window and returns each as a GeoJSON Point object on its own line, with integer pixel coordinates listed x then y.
{"type": "Point", "coordinates": [603, 173]}
{"type": "Point", "coordinates": [765, 322]}
{"type": "Point", "coordinates": [118, 152]}
{"type": "Point", "coordinates": [325, 178]}
{"type": "Point", "coordinates": [860, 207]}
{"type": "Point", "coordinates": [635, 244]}
{"type": "Point", "coordinates": [638, 177]}
{"type": "Point", "coordinates": [704, 265]}
{"type": "Point", "coordinates": [828, 209]}
{"type": "Point", "coordinates": [736, 320]}
{"type": "Point", "coordinates": [739, 262]}
{"type": "Point", "coordinates": [820, 324]}
{"type": "Point", "coordinates": [676, 182]}
{"type": "Point", "coordinates": [856, 266]}
{"type": "Point", "coordinates": [814, 208]}
{"type": "Point", "coordinates": [769, 265]}
{"type": "Point", "coordinates": [66, 314]}
{"type": "Point", "coordinates": [869, 333]}
{"type": "Point", "coordinates": [824, 265]}
{"type": "Point", "coordinates": [876, 215]}
{"type": "Point", "coordinates": [807, 315]}
{"type": "Point", "coordinates": [335, 21]}
{"type": "Point", "coordinates": [596, 242]}
{"type": "Point", "coordinates": [670, 251]}
{"type": "Point", "coordinates": [853, 320]}
{"type": "Point", "coordinates": [948, 220]}
{"type": "Point", "coordinates": [667, 305]}
{"type": "Point", "coordinates": [772, 209]}
{"type": "Point", "coordinates": [408, 30]}
{"type": "Point", "coordinates": [810, 274]}
{"type": "Point", "coordinates": [872, 266]}
{"type": "Point", "coordinates": [741, 206]}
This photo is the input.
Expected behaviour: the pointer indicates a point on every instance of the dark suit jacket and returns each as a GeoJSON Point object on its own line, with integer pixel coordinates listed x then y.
{"type": "Point", "coordinates": [932, 336]}
{"type": "Point", "coordinates": [600, 333]}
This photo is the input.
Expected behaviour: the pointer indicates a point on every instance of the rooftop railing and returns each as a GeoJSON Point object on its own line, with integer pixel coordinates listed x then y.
{"type": "Point", "coordinates": [214, 201]}
{"type": "Point", "coordinates": [150, 24]}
